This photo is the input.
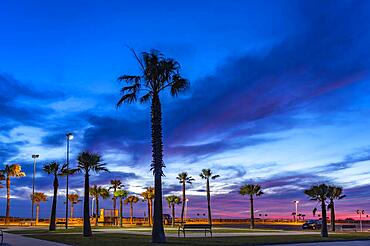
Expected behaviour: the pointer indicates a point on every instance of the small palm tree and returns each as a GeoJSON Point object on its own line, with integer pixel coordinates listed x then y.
{"type": "Point", "coordinates": [10, 171]}
{"type": "Point", "coordinates": [37, 198]}
{"type": "Point", "coordinates": [2, 178]}
{"type": "Point", "coordinates": [184, 179]}
{"type": "Point", "coordinates": [320, 193]}
{"type": "Point", "coordinates": [131, 200]}
{"type": "Point", "coordinates": [207, 174]}
{"type": "Point", "coordinates": [120, 194]}
{"type": "Point", "coordinates": [56, 170]}
{"type": "Point", "coordinates": [334, 193]}
{"type": "Point", "coordinates": [88, 162]}
{"type": "Point", "coordinates": [73, 200]}
{"type": "Point", "coordinates": [158, 74]}
{"type": "Point", "coordinates": [172, 201]}
{"type": "Point", "coordinates": [116, 184]}
{"type": "Point", "coordinates": [149, 196]}
{"type": "Point", "coordinates": [251, 190]}
{"type": "Point", "coordinates": [96, 192]}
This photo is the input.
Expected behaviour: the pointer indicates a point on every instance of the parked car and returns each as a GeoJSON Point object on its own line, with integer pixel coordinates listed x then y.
{"type": "Point", "coordinates": [312, 224]}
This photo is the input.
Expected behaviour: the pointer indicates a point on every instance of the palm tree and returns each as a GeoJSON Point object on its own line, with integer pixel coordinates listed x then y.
{"type": "Point", "coordinates": [55, 169]}
{"type": "Point", "coordinates": [88, 162]}
{"type": "Point", "coordinates": [148, 196]}
{"type": "Point", "coordinates": [120, 194]}
{"type": "Point", "coordinates": [73, 200]}
{"type": "Point", "coordinates": [98, 191]}
{"type": "Point", "coordinates": [116, 184]}
{"type": "Point", "coordinates": [131, 200]}
{"type": "Point", "coordinates": [183, 179]}
{"type": "Point", "coordinates": [10, 171]}
{"type": "Point", "coordinates": [158, 73]}
{"type": "Point", "coordinates": [2, 178]}
{"type": "Point", "coordinates": [172, 201]}
{"type": "Point", "coordinates": [320, 193]}
{"type": "Point", "coordinates": [251, 190]}
{"type": "Point", "coordinates": [37, 198]}
{"type": "Point", "coordinates": [207, 174]}
{"type": "Point", "coordinates": [335, 193]}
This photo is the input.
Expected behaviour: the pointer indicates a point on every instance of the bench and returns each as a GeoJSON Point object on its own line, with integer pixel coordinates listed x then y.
{"type": "Point", "coordinates": [194, 227]}
{"type": "Point", "coordinates": [25, 223]}
{"type": "Point", "coordinates": [60, 223]}
{"type": "Point", "coordinates": [348, 227]}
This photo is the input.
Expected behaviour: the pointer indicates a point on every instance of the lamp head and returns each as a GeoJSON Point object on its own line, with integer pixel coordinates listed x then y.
{"type": "Point", "coordinates": [69, 136]}
{"type": "Point", "coordinates": [34, 156]}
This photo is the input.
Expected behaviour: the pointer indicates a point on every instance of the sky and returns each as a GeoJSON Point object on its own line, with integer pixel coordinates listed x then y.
{"type": "Point", "coordinates": [279, 96]}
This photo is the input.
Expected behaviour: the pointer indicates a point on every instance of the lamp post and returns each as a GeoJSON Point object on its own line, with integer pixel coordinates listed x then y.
{"type": "Point", "coordinates": [69, 138]}
{"type": "Point", "coordinates": [360, 212]}
{"type": "Point", "coordinates": [34, 157]}
{"type": "Point", "coordinates": [296, 209]}
{"type": "Point", "coordinates": [186, 208]}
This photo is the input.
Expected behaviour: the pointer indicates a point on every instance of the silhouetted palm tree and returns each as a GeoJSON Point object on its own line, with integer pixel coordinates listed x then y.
{"type": "Point", "coordinates": [172, 201]}
{"type": "Point", "coordinates": [251, 190]}
{"type": "Point", "coordinates": [56, 170]}
{"type": "Point", "coordinates": [131, 200]}
{"type": "Point", "coordinates": [10, 171]}
{"type": "Point", "coordinates": [158, 73]}
{"type": "Point", "coordinates": [320, 193]}
{"type": "Point", "coordinates": [120, 194]}
{"type": "Point", "coordinates": [183, 179]}
{"type": "Point", "coordinates": [88, 162]}
{"type": "Point", "coordinates": [207, 174]}
{"type": "Point", "coordinates": [73, 200]}
{"type": "Point", "coordinates": [334, 193]}
{"type": "Point", "coordinates": [37, 198]}
{"type": "Point", "coordinates": [2, 178]}
{"type": "Point", "coordinates": [116, 184]}
{"type": "Point", "coordinates": [149, 196]}
{"type": "Point", "coordinates": [98, 191]}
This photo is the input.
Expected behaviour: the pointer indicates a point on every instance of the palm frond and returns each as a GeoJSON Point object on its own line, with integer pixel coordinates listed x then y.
{"type": "Point", "coordinates": [145, 98]}
{"type": "Point", "coordinates": [127, 98]}
{"type": "Point", "coordinates": [178, 85]}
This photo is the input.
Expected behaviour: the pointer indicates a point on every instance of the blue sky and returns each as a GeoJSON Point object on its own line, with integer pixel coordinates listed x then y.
{"type": "Point", "coordinates": [279, 96]}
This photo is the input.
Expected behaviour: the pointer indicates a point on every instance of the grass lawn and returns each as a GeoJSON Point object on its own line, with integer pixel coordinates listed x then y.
{"type": "Point", "coordinates": [110, 239]}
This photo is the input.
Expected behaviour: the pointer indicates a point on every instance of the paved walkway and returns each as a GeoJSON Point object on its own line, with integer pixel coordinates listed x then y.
{"type": "Point", "coordinates": [17, 240]}
{"type": "Point", "coordinates": [347, 243]}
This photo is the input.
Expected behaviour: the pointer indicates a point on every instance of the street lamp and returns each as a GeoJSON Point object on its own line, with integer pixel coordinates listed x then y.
{"type": "Point", "coordinates": [186, 208]}
{"type": "Point", "coordinates": [34, 157]}
{"type": "Point", "coordinates": [296, 208]}
{"type": "Point", "coordinates": [360, 212]}
{"type": "Point", "coordinates": [69, 138]}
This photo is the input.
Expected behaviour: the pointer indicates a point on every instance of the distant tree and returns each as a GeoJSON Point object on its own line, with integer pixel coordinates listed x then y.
{"type": "Point", "coordinates": [251, 190]}
{"type": "Point", "coordinates": [98, 191]}
{"type": "Point", "coordinates": [37, 198]}
{"type": "Point", "coordinates": [207, 174]}
{"type": "Point", "coordinates": [184, 179]}
{"type": "Point", "coordinates": [73, 200]}
{"type": "Point", "coordinates": [2, 178]}
{"type": "Point", "coordinates": [148, 197]}
{"type": "Point", "coordinates": [172, 201]}
{"type": "Point", "coordinates": [320, 193]}
{"type": "Point", "coordinates": [158, 73]}
{"type": "Point", "coordinates": [334, 193]}
{"type": "Point", "coordinates": [10, 171]}
{"type": "Point", "coordinates": [294, 214]}
{"type": "Point", "coordinates": [120, 194]}
{"type": "Point", "coordinates": [89, 162]}
{"type": "Point", "coordinates": [131, 200]}
{"type": "Point", "coordinates": [116, 184]}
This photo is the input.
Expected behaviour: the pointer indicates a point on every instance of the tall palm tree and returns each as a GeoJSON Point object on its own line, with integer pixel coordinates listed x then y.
{"type": "Point", "coordinates": [120, 194]}
{"type": "Point", "coordinates": [334, 193]}
{"type": "Point", "coordinates": [131, 200]}
{"type": "Point", "coordinates": [10, 171]}
{"type": "Point", "coordinates": [207, 174]}
{"type": "Point", "coordinates": [320, 193]}
{"type": "Point", "coordinates": [184, 179]}
{"type": "Point", "coordinates": [37, 198]}
{"type": "Point", "coordinates": [158, 73]}
{"type": "Point", "coordinates": [88, 162]}
{"type": "Point", "coordinates": [55, 169]}
{"type": "Point", "coordinates": [251, 190]}
{"type": "Point", "coordinates": [116, 184]}
{"type": "Point", "coordinates": [149, 196]}
{"type": "Point", "coordinates": [172, 201]}
{"type": "Point", "coordinates": [73, 200]}
{"type": "Point", "coordinates": [98, 191]}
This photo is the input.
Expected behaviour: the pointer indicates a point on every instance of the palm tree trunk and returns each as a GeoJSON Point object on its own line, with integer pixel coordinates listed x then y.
{"type": "Point", "coordinates": [114, 208]}
{"type": "Point", "coordinates": [7, 218]}
{"type": "Point", "coordinates": [37, 213]}
{"type": "Point", "coordinates": [149, 212]}
{"type": "Point", "coordinates": [324, 226]}
{"type": "Point", "coordinates": [158, 235]}
{"type": "Point", "coordinates": [120, 212]}
{"type": "Point", "coordinates": [183, 202]}
{"type": "Point", "coordinates": [332, 215]}
{"type": "Point", "coordinates": [173, 214]}
{"type": "Point", "coordinates": [252, 213]}
{"type": "Point", "coordinates": [87, 227]}
{"type": "Point", "coordinates": [52, 226]}
{"type": "Point", "coordinates": [96, 210]}
{"type": "Point", "coordinates": [209, 203]}
{"type": "Point", "coordinates": [72, 210]}
{"type": "Point", "coordinates": [131, 213]}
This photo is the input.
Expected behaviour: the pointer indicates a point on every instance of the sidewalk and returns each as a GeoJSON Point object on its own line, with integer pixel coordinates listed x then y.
{"type": "Point", "coordinates": [17, 240]}
{"type": "Point", "coordinates": [347, 243]}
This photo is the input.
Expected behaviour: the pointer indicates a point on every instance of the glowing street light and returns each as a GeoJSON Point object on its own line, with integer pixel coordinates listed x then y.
{"type": "Point", "coordinates": [34, 157]}
{"type": "Point", "coordinates": [296, 208]}
{"type": "Point", "coordinates": [186, 208]}
{"type": "Point", "coordinates": [69, 137]}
